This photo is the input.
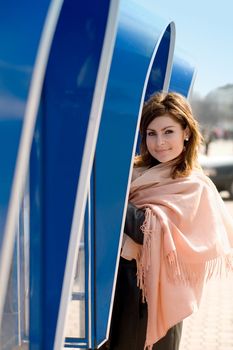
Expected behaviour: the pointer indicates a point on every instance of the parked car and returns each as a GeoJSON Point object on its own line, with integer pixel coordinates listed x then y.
{"type": "Point", "coordinates": [220, 171]}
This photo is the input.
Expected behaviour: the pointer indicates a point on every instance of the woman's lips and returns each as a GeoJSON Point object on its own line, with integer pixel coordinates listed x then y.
{"type": "Point", "coordinates": [161, 150]}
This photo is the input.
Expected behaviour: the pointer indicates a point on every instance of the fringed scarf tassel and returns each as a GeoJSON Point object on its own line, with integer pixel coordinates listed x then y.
{"type": "Point", "coordinates": [144, 259]}
{"type": "Point", "coordinates": [192, 274]}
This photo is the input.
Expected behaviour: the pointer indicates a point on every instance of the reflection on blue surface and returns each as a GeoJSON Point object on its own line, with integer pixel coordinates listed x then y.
{"type": "Point", "coordinates": [159, 67]}
{"type": "Point", "coordinates": [9, 138]}
{"type": "Point", "coordinates": [182, 74]}
{"type": "Point", "coordinates": [17, 57]}
{"type": "Point", "coordinates": [20, 32]}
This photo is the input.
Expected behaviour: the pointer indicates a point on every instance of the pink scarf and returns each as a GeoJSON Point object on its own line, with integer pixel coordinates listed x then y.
{"type": "Point", "coordinates": [188, 237]}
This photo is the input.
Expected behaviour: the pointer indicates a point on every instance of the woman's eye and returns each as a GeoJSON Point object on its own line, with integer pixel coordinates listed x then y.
{"type": "Point", "coordinates": [150, 133]}
{"type": "Point", "coordinates": [168, 131]}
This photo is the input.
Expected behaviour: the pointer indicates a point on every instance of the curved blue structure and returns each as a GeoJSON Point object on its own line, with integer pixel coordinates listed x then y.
{"type": "Point", "coordinates": [71, 96]}
{"type": "Point", "coordinates": [183, 74]}
{"type": "Point", "coordinates": [139, 66]}
{"type": "Point", "coordinates": [65, 109]}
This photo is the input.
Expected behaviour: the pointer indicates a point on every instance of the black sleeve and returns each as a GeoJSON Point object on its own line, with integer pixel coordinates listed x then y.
{"type": "Point", "coordinates": [134, 220]}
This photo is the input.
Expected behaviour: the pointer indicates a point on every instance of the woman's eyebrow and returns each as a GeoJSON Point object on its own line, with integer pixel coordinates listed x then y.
{"type": "Point", "coordinates": [166, 127]}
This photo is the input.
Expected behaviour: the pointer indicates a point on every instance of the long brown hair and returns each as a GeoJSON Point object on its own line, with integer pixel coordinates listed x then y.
{"type": "Point", "coordinates": [177, 107]}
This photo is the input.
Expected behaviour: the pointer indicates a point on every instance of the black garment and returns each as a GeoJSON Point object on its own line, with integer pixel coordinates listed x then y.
{"type": "Point", "coordinates": [129, 317]}
{"type": "Point", "coordinates": [133, 222]}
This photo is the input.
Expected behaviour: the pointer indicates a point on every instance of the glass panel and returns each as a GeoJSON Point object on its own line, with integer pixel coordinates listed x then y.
{"type": "Point", "coordinates": [24, 270]}
{"type": "Point", "coordinates": [14, 332]}
{"type": "Point", "coordinates": [9, 334]}
{"type": "Point", "coordinates": [75, 327]}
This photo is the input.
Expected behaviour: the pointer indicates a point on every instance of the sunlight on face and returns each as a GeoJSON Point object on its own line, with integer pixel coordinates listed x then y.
{"type": "Point", "coordinates": [165, 138]}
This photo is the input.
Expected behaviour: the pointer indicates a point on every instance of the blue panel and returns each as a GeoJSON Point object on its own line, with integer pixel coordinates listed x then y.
{"type": "Point", "coordinates": [158, 70]}
{"type": "Point", "coordinates": [182, 74]}
{"type": "Point", "coordinates": [65, 106]}
{"type": "Point", "coordinates": [138, 34]}
{"type": "Point", "coordinates": [36, 239]}
{"type": "Point", "coordinates": [18, 52]}
{"type": "Point", "coordinates": [17, 57]}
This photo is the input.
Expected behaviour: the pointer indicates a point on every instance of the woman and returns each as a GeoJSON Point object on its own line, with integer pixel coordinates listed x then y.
{"type": "Point", "coordinates": [177, 232]}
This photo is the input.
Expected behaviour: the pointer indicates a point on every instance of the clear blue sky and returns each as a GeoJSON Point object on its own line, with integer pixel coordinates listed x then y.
{"type": "Point", "coordinates": [204, 29]}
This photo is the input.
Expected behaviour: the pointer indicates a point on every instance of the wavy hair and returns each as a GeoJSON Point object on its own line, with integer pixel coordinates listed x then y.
{"type": "Point", "coordinates": [179, 109]}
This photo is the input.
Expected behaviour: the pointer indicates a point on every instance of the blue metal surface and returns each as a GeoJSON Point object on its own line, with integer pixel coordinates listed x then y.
{"type": "Point", "coordinates": [65, 104]}
{"type": "Point", "coordinates": [17, 57]}
{"type": "Point", "coordinates": [138, 36]}
{"type": "Point", "coordinates": [159, 68]}
{"type": "Point", "coordinates": [183, 74]}
{"type": "Point", "coordinates": [36, 239]}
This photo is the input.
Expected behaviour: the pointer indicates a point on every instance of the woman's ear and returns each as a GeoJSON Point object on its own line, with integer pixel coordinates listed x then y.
{"type": "Point", "coordinates": [187, 133]}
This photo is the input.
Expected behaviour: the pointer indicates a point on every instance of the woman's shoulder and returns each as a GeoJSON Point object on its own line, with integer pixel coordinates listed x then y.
{"type": "Point", "coordinates": [200, 178]}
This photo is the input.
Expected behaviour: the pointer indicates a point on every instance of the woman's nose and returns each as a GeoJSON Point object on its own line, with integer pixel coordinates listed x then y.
{"type": "Point", "coordinates": [159, 140]}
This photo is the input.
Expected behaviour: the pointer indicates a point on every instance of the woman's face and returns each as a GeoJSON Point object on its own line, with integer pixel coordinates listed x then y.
{"type": "Point", "coordinates": [165, 138]}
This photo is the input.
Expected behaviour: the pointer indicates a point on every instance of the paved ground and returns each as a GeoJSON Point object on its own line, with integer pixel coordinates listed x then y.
{"type": "Point", "coordinates": [211, 328]}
